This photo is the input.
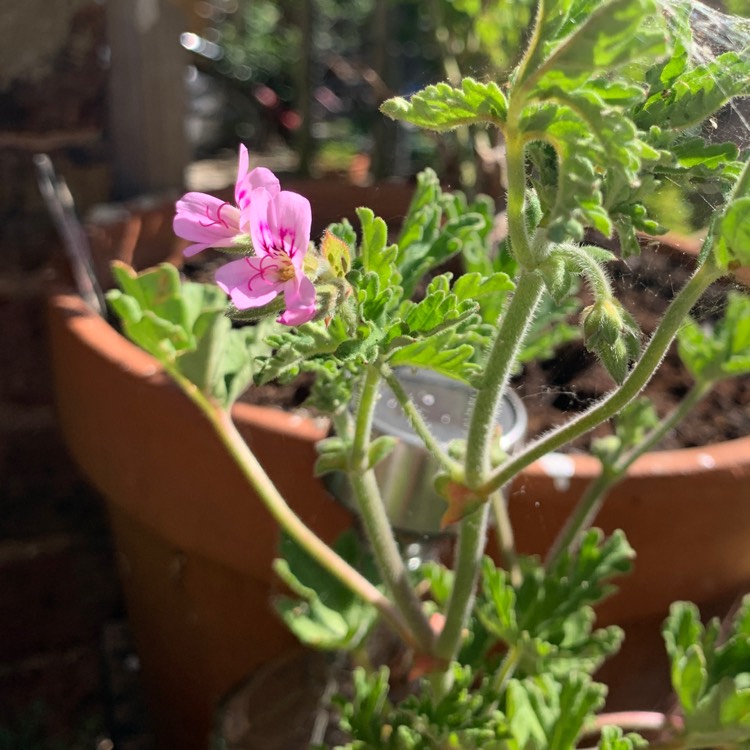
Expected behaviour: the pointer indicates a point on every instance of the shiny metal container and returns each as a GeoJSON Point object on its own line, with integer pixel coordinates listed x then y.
{"type": "Point", "coordinates": [406, 476]}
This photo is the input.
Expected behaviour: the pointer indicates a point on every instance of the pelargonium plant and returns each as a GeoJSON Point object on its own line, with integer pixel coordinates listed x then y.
{"type": "Point", "coordinates": [605, 106]}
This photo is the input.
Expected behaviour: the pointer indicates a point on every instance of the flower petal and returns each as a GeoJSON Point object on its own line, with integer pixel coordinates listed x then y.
{"type": "Point", "coordinates": [281, 223]}
{"type": "Point", "coordinates": [205, 221]}
{"type": "Point", "coordinates": [250, 282]}
{"type": "Point", "coordinates": [299, 297]}
{"type": "Point", "coordinates": [260, 177]}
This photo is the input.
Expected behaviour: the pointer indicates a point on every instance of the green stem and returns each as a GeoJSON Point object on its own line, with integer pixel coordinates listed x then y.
{"type": "Point", "coordinates": [618, 398]}
{"type": "Point", "coordinates": [582, 517]}
{"type": "Point", "coordinates": [471, 538]}
{"type": "Point", "coordinates": [697, 393]}
{"type": "Point", "coordinates": [596, 493]}
{"type": "Point", "coordinates": [375, 520]}
{"type": "Point", "coordinates": [418, 424]}
{"type": "Point", "coordinates": [473, 529]}
{"type": "Point", "coordinates": [499, 367]}
{"type": "Point", "coordinates": [291, 523]}
{"type": "Point", "coordinates": [502, 676]}
{"type": "Point", "coordinates": [592, 271]}
{"type": "Point", "coordinates": [505, 537]}
{"type": "Point", "coordinates": [515, 166]}
{"type": "Point", "coordinates": [506, 669]}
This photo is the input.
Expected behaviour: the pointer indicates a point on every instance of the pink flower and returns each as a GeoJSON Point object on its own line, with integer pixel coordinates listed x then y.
{"type": "Point", "coordinates": [280, 230]}
{"type": "Point", "coordinates": [209, 222]}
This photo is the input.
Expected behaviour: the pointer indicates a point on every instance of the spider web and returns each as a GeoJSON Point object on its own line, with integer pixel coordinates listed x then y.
{"type": "Point", "coordinates": [713, 33]}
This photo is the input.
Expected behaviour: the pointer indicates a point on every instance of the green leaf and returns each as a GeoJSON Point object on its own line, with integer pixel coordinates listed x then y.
{"type": "Point", "coordinates": [437, 310]}
{"type": "Point", "coordinates": [443, 107]}
{"type": "Point", "coordinates": [613, 738]}
{"type": "Point", "coordinates": [578, 200]}
{"type": "Point", "coordinates": [549, 714]}
{"type": "Point", "coordinates": [442, 352]}
{"type": "Point", "coordinates": [375, 254]}
{"type": "Point", "coordinates": [696, 94]}
{"type": "Point", "coordinates": [711, 678]}
{"type": "Point", "coordinates": [183, 325]}
{"type": "Point", "coordinates": [327, 615]}
{"type": "Point", "coordinates": [720, 352]}
{"type": "Point", "coordinates": [489, 292]}
{"type": "Point", "coordinates": [379, 449]}
{"type": "Point", "coordinates": [734, 232]}
{"type": "Point", "coordinates": [437, 244]}
{"type": "Point", "coordinates": [548, 617]}
{"type": "Point", "coordinates": [601, 38]}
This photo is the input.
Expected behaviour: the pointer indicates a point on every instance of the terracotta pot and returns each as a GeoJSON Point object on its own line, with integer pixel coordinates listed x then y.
{"type": "Point", "coordinates": [195, 545]}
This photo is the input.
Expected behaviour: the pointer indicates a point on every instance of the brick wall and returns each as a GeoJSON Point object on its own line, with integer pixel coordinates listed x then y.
{"type": "Point", "coordinates": [58, 586]}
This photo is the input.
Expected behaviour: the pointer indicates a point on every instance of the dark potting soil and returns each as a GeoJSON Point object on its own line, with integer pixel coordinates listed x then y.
{"type": "Point", "coordinates": [555, 389]}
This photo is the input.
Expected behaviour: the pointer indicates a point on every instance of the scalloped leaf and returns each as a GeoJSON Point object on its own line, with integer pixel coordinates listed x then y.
{"type": "Point", "coordinates": [327, 614]}
{"type": "Point", "coordinates": [444, 107]}
{"type": "Point", "coordinates": [601, 41]}
{"type": "Point", "coordinates": [723, 351]}
{"type": "Point", "coordinates": [696, 94]}
{"type": "Point", "coordinates": [183, 325]}
{"type": "Point", "coordinates": [444, 352]}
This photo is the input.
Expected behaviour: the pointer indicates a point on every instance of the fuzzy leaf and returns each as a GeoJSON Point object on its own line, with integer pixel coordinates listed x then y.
{"type": "Point", "coordinates": [444, 107]}
{"type": "Point", "coordinates": [600, 38]}
{"type": "Point", "coordinates": [549, 714]}
{"type": "Point", "coordinates": [613, 738]}
{"type": "Point", "coordinates": [183, 325]}
{"type": "Point", "coordinates": [696, 94]}
{"type": "Point", "coordinates": [549, 617]}
{"type": "Point", "coordinates": [721, 352]}
{"type": "Point", "coordinates": [442, 352]}
{"type": "Point", "coordinates": [327, 615]}
{"type": "Point", "coordinates": [734, 234]}
{"type": "Point", "coordinates": [578, 201]}
{"type": "Point", "coordinates": [375, 254]}
{"type": "Point", "coordinates": [711, 679]}
{"type": "Point", "coordinates": [490, 292]}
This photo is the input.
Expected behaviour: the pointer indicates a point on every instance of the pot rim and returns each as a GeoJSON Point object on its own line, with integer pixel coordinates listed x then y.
{"type": "Point", "coordinates": [731, 456]}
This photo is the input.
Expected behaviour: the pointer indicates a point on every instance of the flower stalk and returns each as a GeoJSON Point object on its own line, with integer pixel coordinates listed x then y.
{"type": "Point", "coordinates": [266, 490]}
{"type": "Point", "coordinates": [375, 520]}
{"type": "Point", "coordinates": [595, 494]}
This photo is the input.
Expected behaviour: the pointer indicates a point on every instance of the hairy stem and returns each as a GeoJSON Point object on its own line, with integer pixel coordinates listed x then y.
{"type": "Point", "coordinates": [266, 490]}
{"type": "Point", "coordinates": [596, 493]}
{"type": "Point", "coordinates": [515, 166]}
{"type": "Point", "coordinates": [498, 369]}
{"type": "Point", "coordinates": [375, 520]}
{"type": "Point", "coordinates": [418, 423]}
{"type": "Point", "coordinates": [473, 529]}
{"type": "Point", "coordinates": [471, 539]}
{"type": "Point", "coordinates": [618, 398]}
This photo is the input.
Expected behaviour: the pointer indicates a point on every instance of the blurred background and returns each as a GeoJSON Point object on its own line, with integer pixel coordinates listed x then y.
{"type": "Point", "coordinates": [134, 98]}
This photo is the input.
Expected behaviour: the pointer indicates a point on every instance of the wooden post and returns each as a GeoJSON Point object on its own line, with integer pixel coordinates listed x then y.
{"type": "Point", "coordinates": [146, 96]}
{"type": "Point", "coordinates": [304, 140]}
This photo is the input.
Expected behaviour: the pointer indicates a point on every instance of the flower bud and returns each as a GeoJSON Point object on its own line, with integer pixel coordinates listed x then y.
{"type": "Point", "coordinates": [613, 335]}
{"type": "Point", "coordinates": [602, 323]}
